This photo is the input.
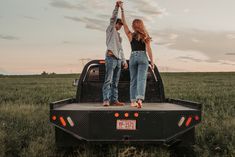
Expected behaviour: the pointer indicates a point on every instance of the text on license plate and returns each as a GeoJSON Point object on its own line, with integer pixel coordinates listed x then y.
{"type": "Point", "coordinates": [126, 125]}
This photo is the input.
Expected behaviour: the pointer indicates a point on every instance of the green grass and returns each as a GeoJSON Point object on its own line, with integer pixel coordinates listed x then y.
{"type": "Point", "coordinates": [25, 129]}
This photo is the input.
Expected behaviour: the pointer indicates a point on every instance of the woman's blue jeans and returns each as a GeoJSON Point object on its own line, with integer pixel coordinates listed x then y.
{"type": "Point", "coordinates": [112, 75]}
{"type": "Point", "coordinates": [138, 66]}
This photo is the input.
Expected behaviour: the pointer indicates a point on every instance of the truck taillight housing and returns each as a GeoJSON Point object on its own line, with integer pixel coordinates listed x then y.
{"type": "Point", "coordinates": [196, 118]}
{"type": "Point", "coordinates": [181, 121]}
{"type": "Point", "coordinates": [53, 118]}
{"type": "Point", "coordinates": [62, 121]}
{"type": "Point", "coordinates": [71, 123]}
{"type": "Point", "coordinates": [136, 114]}
{"type": "Point", "coordinates": [116, 114]}
{"type": "Point", "coordinates": [126, 114]}
{"type": "Point", "coordinates": [189, 120]}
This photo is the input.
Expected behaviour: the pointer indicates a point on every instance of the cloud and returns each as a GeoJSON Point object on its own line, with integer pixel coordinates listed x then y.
{"type": "Point", "coordinates": [186, 10]}
{"type": "Point", "coordinates": [227, 62]}
{"type": "Point", "coordinates": [150, 7]}
{"type": "Point", "coordinates": [194, 59]}
{"type": "Point", "coordinates": [30, 17]}
{"type": "Point", "coordinates": [68, 42]}
{"type": "Point", "coordinates": [8, 37]}
{"type": "Point", "coordinates": [91, 23]}
{"type": "Point", "coordinates": [231, 36]}
{"type": "Point", "coordinates": [170, 69]}
{"type": "Point", "coordinates": [147, 10]}
{"type": "Point", "coordinates": [230, 54]}
{"type": "Point", "coordinates": [213, 44]}
{"type": "Point", "coordinates": [65, 5]}
{"type": "Point", "coordinates": [190, 58]}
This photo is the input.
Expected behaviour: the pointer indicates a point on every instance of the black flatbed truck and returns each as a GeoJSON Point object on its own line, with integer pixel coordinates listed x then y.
{"type": "Point", "coordinates": [160, 121]}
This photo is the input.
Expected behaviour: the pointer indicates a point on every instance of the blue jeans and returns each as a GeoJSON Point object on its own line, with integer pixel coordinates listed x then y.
{"type": "Point", "coordinates": [112, 75]}
{"type": "Point", "coordinates": [138, 66]}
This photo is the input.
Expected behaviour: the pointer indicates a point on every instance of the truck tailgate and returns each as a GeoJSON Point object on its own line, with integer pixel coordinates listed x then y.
{"type": "Point", "coordinates": [153, 122]}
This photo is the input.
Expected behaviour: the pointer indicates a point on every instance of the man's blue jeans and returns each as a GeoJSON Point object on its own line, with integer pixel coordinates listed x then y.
{"type": "Point", "coordinates": [138, 74]}
{"type": "Point", "coordinates": [112, 75]}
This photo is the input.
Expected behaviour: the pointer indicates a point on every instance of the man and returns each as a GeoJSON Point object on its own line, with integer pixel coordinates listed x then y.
{"type": "Point", "coordinates": [113, 61]}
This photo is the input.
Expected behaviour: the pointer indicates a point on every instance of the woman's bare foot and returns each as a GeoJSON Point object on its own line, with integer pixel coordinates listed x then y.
{"type": "Point", "coordinates": [139, 102]}
{"type": "Point", "coordinates": [134, 104]}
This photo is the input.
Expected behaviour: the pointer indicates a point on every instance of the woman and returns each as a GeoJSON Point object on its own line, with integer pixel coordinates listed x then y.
{"type": "Point", "coordinates": [138, 65]}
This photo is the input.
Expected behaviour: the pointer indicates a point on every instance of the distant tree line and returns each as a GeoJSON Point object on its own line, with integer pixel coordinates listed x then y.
{"type": "Point", "coordinates": [44, 73]}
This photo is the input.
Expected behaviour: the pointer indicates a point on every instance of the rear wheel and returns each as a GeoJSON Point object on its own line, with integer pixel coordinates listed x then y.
{"type": "Point", "coordinates": [184, 145]}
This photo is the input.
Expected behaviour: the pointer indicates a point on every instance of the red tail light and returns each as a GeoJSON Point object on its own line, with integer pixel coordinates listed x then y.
{"type": "Point", "coordinates": [189, 120]}
{"type": "Point", "coordinates": [54, 118]}
{"type": "Point", "coordinates": [126, 115]}
{"type": "Point", "coordinates": [62, 121]}
{"type": "Point", "coordinates": [116, 115]}
{"type": "Point", "coordinates": [196, 118]}
{"type": "Point", "coordinates": [136, 114]}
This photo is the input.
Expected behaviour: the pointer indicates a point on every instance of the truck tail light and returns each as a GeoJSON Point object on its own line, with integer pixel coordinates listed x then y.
{"type": "Point", "coordinates": [116, 114]}
{"type": "Point", "coordinates": [71, 123]}
{"type": "Point", "coordinates": [189, 120]}
{"type": "Point", "coordinates": [136, 114]}
{"type": "Point", "coordinates": [126, 115]}
{"type": "Point", "coordinates": [62, 121]}
{"type": "Point", "coordinates": [181, 121]}
{"type": "Point", "coordinates": [53, 118]}
{"type": "Point", "coordinates": [196, 117]}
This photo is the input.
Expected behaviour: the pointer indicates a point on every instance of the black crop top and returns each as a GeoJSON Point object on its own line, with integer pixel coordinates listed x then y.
{"type": "Point", "coordinates": [137, 45]}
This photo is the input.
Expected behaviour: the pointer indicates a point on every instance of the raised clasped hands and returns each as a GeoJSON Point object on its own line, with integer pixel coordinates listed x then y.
{"type": "Point", "coordinates": [119, 4]}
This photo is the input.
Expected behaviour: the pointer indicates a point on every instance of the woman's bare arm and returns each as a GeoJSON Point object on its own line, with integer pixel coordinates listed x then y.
{"type": "Point", "coordinates": [150, 54]}
{"type": "Point", "coordinates": [126, 29]}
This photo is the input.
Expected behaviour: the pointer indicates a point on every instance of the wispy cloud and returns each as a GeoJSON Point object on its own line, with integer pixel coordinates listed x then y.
{"type": "Point", "coordinates": [231, 36]}
{"type": "Point", "coordinates": [150, 7]}
{"type": "Point", "coordinates": [170, 69]}
{"type": "Point", "coordinates": [190, 58]}
{"type": "Point", "coordinates": [30, 18]}
{"type": "Point", "coordinates": [65, 4]}
{"type": "Point", "coordinates": [212, 44]}
{"type": "Point", "coordinates": [230, 54]}
{"type": "Point", "coordinates": [142, 9]}
{"type": "Point", "coordinates": [186, 10]}
{"type": "Point", "coordinates": [227, 62]}
{"type": "Point", "coordinates": [69, 42]}
{"type": "Point", "coordinates": [198, 60]}
{"type": "Point", "coordinates": [91, 23]}
{"type": "Point", "coordinates": [8, 37]}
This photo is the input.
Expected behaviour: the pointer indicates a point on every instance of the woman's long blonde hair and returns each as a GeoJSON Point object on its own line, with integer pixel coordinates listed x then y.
{"type": "Point", "coordinates": [140, 32]}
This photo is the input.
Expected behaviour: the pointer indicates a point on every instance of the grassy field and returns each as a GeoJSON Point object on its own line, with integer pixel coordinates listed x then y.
{"type": "Point", "coordinates": [25, 129]}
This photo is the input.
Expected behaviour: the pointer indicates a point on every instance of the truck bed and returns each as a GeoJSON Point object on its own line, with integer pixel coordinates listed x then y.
{"type": "Point", "coordinates": [146, 107]}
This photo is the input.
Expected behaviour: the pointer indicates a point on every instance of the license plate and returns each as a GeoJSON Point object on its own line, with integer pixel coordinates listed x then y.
{"type": "Point", "coordinates": [126, 125]}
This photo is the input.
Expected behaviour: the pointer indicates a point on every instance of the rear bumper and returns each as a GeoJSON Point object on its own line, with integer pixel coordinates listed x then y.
{"type": "Point", "coordinates": [151, 126]}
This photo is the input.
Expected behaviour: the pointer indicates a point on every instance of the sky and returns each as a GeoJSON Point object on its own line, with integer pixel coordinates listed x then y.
{"type": "Point", "coordinates": [62, 35]}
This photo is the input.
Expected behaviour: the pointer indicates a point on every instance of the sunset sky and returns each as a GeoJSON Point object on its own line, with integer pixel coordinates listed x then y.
{"type": "Point", "coordinates": [61, 35]}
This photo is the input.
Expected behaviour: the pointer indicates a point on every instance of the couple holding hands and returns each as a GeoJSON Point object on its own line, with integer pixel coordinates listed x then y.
{"type": "Point", "coordinates": [138, 64]}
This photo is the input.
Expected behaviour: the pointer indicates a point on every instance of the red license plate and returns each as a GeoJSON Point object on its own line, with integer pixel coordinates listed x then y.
{"type": "Point", "coordinates": [126, 125]}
